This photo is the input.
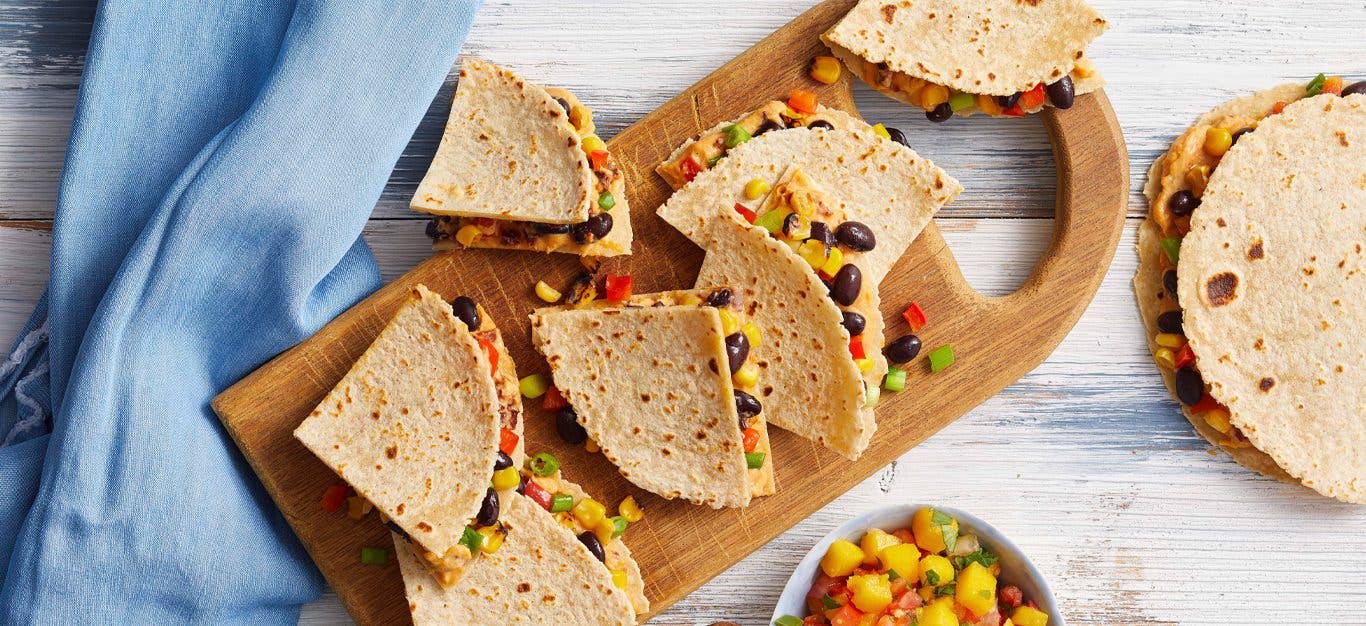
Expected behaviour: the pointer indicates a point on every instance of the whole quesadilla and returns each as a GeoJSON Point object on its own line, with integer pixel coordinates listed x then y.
{"type": "Point", "coordinates": [548, 568]}
{"type": "Point", "coordinates": [959, 57]}
{"type": "Point", "coordinates": [520, 167]}
{"type": "Point", "coordinates": [419, 424]}
{"type": "Point", "coordinates": [665, 384]}
{"type": "Point", "coordinates": [1248, 262]}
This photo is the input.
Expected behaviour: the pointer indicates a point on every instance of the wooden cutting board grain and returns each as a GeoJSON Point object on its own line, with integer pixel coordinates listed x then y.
{"type": "Point", "coordinates": [680, 546]}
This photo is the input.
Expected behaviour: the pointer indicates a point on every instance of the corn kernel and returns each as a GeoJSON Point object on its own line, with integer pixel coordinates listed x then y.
{"type": "Point", "coordinates": [589, 512]}
{"type": "Point", "coordinates": [747, 376]}
{"type": "Point", "coordinates": [630, 510]}
{"type": "Point", "coordinates": [932, 96]}
{"type": "Point", "coordinates": [580, 116]}
{"type": "Point", "coordinates": [825, 69]}
{"type": "Point", "coordinates": [864, 365]}
{"type": "Point", "coordinates": [1084, 68]}
{"type": "Point", "coordinates": [834, 262]}
{"type": "Point", "coordinates": [592, 143]}
{"type": "Point", "coordinates": [1217, 141]}
{"type": "Point", "coordinates": [1166, 359]}
{"type": "Point", "coordinates": [547, 293]}
{"type": "Point", "coordinates": [690, 300]}
{"type": "Point", "coordinates": [756, 188]}
{"type": "Point", "coordinates": [1218, 418]}
{"type": "Point", "coordinates": [728, 322]}
{"type": "Point", "coordinates": [1170, 340]}
{"type": "Point", "coordinates": [591, 446]}
{"type": "Point", "coordinates": [619, 578]}
{"type": "Point", "coordinates": [506, 478]}
{"type": "Point", "coordinates": [881, 131]}
{"type": "Point", "coordinates": [467, 234]}
{"type": "Point", "coordinates": [603, 531]}
{"type": "Point", "coordinates": [753, 334]}
{"type": "Point", "coordinates": [814, 253]}
{"type": "Point", "coordinates": [493, 539]}
{"type": "Point", "coordinates": [1197, 178]}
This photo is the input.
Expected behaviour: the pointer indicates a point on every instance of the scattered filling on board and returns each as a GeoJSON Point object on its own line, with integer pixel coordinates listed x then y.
{"type": "Point", "coordinates": [1186, 169]}
{"type": "Point", "coordinates": [925, 575]}
{"type": "Point", "coordinates": [941, 103]}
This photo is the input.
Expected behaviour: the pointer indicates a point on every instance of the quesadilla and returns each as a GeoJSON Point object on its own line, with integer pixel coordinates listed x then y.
{"type": "Point", "coordinates": [1248, 262]}
{"type": "Point", "coordinates": [426, 415]}
{"type": "Point", "coordinates": [959, 57]}
{"type": "Point", "coordinates": [520, 167]}
{"type": "Point", "coordinates": [665, 384]}
{"type": "Point", "coordinates": [548, 569]}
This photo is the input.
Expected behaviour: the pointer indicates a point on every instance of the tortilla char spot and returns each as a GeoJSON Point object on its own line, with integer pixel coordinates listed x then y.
{"type": "Point", "coordinates": [1255, 251]}
{"type": "Point", "coordinates": [635, 430]}
{"type": "Point", "coordinates": [1221, 289]}
{"type": "Point", "coordinates": [888, 10]}
{"type": "Point", "coordinates": [523, 587]}
{"type": "Point", "coordinates": [1259, 344]}
{"type": "Point", "coordinates": [374, 415]}
{"type": "Point", "coordinates": [711, 363]}
{"type": "Point", "coordinates": [644, 397]}
{"type": "Point", "coordinates": [391, 452]}
{"type": "Point", "coordinates": [701, 435]}
{"type": "Point", "coordinates": [1221, 222]}
{"type": "Point", "coordinates": [665, 452]}
{"type": "Point", "coordinates": [1266, 384]}
{"type": "Point", "coordinates": [399, 510]}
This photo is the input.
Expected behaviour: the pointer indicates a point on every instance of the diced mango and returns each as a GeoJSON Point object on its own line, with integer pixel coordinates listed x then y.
{"type": "Point", "coordinates": [976, 589]}
{"type": "Point", "coordinates": [841, 558]}
{"type": "Point", "coordinates": [902, 558]}
{"type": "Point", "coordinates": [872, 544]}
{"type": "Point", "coordinates": [935, 570]}
{"type": "Point", "coordinates": [1029, 616]}
{"type": "Point", "coordinates": [872, 592]}
{"type": "Point", "coordinates": [930, 527]}
{"type": "Point", "coordinates": [938, 613]}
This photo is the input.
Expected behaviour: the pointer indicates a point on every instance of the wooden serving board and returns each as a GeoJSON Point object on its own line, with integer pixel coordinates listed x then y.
{"type": "Point", "coordinates": [680, 546]}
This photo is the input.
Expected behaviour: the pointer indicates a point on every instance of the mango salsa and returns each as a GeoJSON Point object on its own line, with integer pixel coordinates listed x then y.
{"type": "Point", "coordinates": [938, 613]}
{"type": "Point", "coordinates": [902, 558]}
{"type": "Point", "coordinates": [872, 592]}
{"type": "Point", "coordinates": [934, 531]}
{"type": "Point", "coordinates": [872, 544]}
{"type": "Point", "coordinates": [976, 589]}
{"type": "Point", "coordinates": [841, 558]}
{"type": "Point", "coordinates": [1029, 616]}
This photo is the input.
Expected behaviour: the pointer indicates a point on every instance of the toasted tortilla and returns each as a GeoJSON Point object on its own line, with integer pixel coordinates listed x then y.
{"type": "Point", "coordinates": [883, 184]}
{"type": "Point", "coordinates": [1272, 285]}
{"type": "Point", "coordinates": [651, 385]}
{"type": "Point", "coordinates": [413, 427]}
{"type": "Point", "coordinates": [980, 47]}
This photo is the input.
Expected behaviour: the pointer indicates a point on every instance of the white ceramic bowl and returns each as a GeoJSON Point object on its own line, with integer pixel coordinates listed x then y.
{"type": "Point", "coordinates": [1015, 566]}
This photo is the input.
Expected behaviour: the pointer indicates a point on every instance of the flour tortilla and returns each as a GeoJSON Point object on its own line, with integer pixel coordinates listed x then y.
{"type": "Point", "coordinates": [883, 184]}
{"type": "Point", "coordinates": [542, 574]}
{"type": "Point", "coordinates": [413, 427]}
{"type": "Point", "coordinates": [652, 387]}
{"type": "Point", "coordinates": [508, 152]}
{"type": "Point", "coordinates": [980, 47]}
{"type": "Point", "coordinates": [1284, 348]}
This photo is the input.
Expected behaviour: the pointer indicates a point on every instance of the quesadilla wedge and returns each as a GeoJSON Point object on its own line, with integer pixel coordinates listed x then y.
{"type": "Point", "coordinates": [1248, 258]}
{"type": "Point", "coordinates": [665, 384]}
{"type": "Point", "coordinates": [426, 415]}
{"type": "Point", "coordinates": [519, 167]}
{"type": "Point", "coordinates": [959, 57]}
{"type": "Point", "coordinates": [548, 568]}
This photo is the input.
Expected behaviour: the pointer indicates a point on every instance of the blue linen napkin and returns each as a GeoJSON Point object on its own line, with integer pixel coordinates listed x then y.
{"type": "Point", "coordinates": [224, 156]}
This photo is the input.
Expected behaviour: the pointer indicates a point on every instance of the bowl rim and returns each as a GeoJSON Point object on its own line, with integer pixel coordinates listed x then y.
{"type": "Point", "coordinates": [794, 591]}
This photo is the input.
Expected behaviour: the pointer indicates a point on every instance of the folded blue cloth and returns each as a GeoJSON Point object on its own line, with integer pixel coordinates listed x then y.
{"type": "Point", "coordinates": [224, 156]}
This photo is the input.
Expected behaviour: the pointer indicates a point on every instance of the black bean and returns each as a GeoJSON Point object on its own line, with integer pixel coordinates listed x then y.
{"type": "Point", "coordinates": [502, 461]}
{"type": "Point", "coordinates": [580, 233]}
{"type": "Point", "coordinates": [737, 350]}
{"type": "Point", "coordinates": [1354, 88]}
{"type": "Point", "coordinates": [856, 236]}
{"type": "Point", "coordinates": [599, 225]}
{"type": "Point", "coordinates": [397, 530]}
{"type": "Point", "coordinates": [720, 297]}
{"type": "Point", "coordinates": [1182, 203]}
{"type": "Point", "coordinates": [591, 542]}
{"type": "Point", "coordinates": [567, 425]}
{"type": "Point", "coordinates": [564, 104]}
{"type": "Point", "coordinates": [1190, 387]}
{"type": "Point", "coordinates": [488, 511]}
{"type": "Point", "coordinates": [551, 229]}
{"type": "Point", "coordinates": [466, 311]}
{"type": "Point", "coordinates": [847, 284]}
{"type": "Point", "coordinates": [791, 223]}
{"type": "Point", "coordinates": [1007, 102]}
{"type": "Point", "coordinates": [940, 113]}
{"type": "Point", "coordinates": [747, 406]}
{"type": "Point", "coordinates": [821, 232]}
{"type": "Point", "coordinates": [1170, 322]}
{"type": "Point", "coordinates": [521, 484]}
{"type": "Point", "coordinates": [1169, 283]}
{"type": "Point", "coordinates": [1240, 132]}
{"type": "Point", "coordinates": [903, 350]}
{"type": "Point", "coordinates": [820, 124]}
{"type": "Point", "coordinates": [1062, 94]}
{"type": "Point", "coordinates": [433, 232]}
{"type": "Point", "coordinates": [854, 323]}
{"type": "Point", "coordinates": [896, 135]}
{"type": "Point", "coordinates": [767, 126]}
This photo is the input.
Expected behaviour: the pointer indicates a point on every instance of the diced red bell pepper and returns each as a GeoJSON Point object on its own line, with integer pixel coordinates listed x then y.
{"type": "Point", "coordinates": [1279, 106]}
{"type": "Point", "coordinates": [598, 158]}
{"type": "Point", "coordinates": [744, 212]}
{"type": "Point", "coordinates": [492, 353]}
{"type": "Point", "coordinates": [1015, 111]}
{"type": "Point", "coordinates": [856, 346]}
{"type": "Point", "coordinates": [751, 439]}
{"type": "Point", "coordinates": [1333, 85]}
{"type": "Point", "coordinates": [539, 494]}
{"type": "Point", "coordinates": [802, 101]}
{"type": "Point", "coordinates": [1032, 98]}
{"type": "Point", "coordinates": [334, 497]}
{"type": "Point", "coordinates": [1184, 356]}
{"type": "Point", "coordinates": [618, 288]}
{"type": "Point", "coordinates": [1206, 404]}
{"type": "Point", "coordinates": [846, 615]}
{"type": "Point", "coordinates": [690, 167]}
{"type": "Point", "coordinates": [914, 316]}
{"type": "Point", "coordinates": [552, 400]}
{"type": "Point", "coordinates": [1011, 596]}
{"type": "Point", "coordinates": [507, 441]}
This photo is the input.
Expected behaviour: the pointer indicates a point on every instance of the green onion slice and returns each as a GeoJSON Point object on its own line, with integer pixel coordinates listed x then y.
{"type": "Point", "coordinates": [561, 502]}
{"type": "Point", "coordinates": [606, 201]}
{"type": "Point", "coordinates": [619, 524]}
{"type": "Point", "coordinates": [895, 380]}
{"type": "Point", "coordinates": [736, 135]}
{"type": "Point", "coordinates": [788, 620]}
{"type": "Point", "coordinates": [941, 358]}
{"type": "Point", "coordinates": [1172, 246]}
{"type": "Point", "coordinates": [754, 460]}
{"type": "Point", "coordinates": [544, 464]}
{"type": "Point", "coordinates": [1315, 87]}
{"type": "Point", "coordinates": [374, 556]}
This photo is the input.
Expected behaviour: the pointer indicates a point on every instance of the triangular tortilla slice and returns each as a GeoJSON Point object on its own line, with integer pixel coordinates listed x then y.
{"type": "Point", "coordinates": [981, 48]}
{"type": "Point", "coordinates": [414, 427]}
{"type": "Point", "coordinates": [650, 381]}
{"type": "Point", "coordinates": [519, 167]}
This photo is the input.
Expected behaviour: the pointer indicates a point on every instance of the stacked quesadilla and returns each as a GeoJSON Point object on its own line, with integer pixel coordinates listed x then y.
{"type": "Point", "coordinates": [520, 167]}
{"type": "Point", "coordinates": [959, 57]}
{"type": "Point", "coordinates": [1250, 281]}
{"type": "Point", "coordinates": [807, 257]}
{"type": "Point", "coordinates": [666, 385]}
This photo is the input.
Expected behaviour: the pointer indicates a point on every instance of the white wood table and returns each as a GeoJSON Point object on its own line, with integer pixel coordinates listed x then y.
{"type": "Point", "coordinates": [1085, 462]}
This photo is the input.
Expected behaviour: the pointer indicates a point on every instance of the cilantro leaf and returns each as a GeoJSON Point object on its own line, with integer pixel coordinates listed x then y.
{"type": "Point", "coordinates": [950, 536]}
{"type": "Point", "coordinates": [892, 575]}
{"type": "Point", "coordinates": [986, 559]}
{"type": "Point", "coordinates": [931, 577]}
{"type": "Point", "coordinates": [939, 518]}
{"type": "Point", "coordinates": [946, 590]}
{"type": "Point", "coordinates": [829, 602]}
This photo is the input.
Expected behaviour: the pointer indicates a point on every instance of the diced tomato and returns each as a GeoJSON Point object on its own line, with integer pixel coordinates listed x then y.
{"type": "Point", "coordinates": [1184, 356]}
{"type": "Point", "coordinates": [1206, 404]}
{"type": "Point", "coordinates": [846, 615]}
{"type": "Point", "coordinates": [618, 287]}
{"type": "Point", "coordinates": [1279, 106]}
{"type": "Point", "coordinates": [838, 589]}
{"type": "Point", "coordinates": [914, 316]}
{"type": "Point", "coordinates": [1032, 98]}
{"type": "Point", "coordinates": [1333, 85]}
{"type": "Point", "coordinates": [886, 620]}
{"type": "Point", "coordinates": [909, 600]}
{"type": "Point", "coordinates": [814, 620]}
{"type": "Point", "coordinates": [856, 346]}
{"type": "Point", "coordinates": [552, 400]}
{"type": "Point", "coordinates": [690, 167]}
{"type": "Point", "coordinates": [821, 586]}
{"type": "Point", "coordinates": [598, 158]}
{"type": "Point", "coordinates": [744, 212]}
{"type": "Point", "coordinates": [492, 353]}
{"type": "Point", "coordinates": [905, 535]}
{"type": "Point", "coordinates": [507, 441]}
{"type": "Point", "coordinates": [751, 439]}
{"type": "Point", "coordinates": [539, 494]}
{"type": "Point", "coordinates": [334, 497]}
{"type": "Point", "coordinates": [802, 101]}
{"type": "Point", "coordinates": [1011, 596]}
{"type": "Point", "coordinates": [898, 586]}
